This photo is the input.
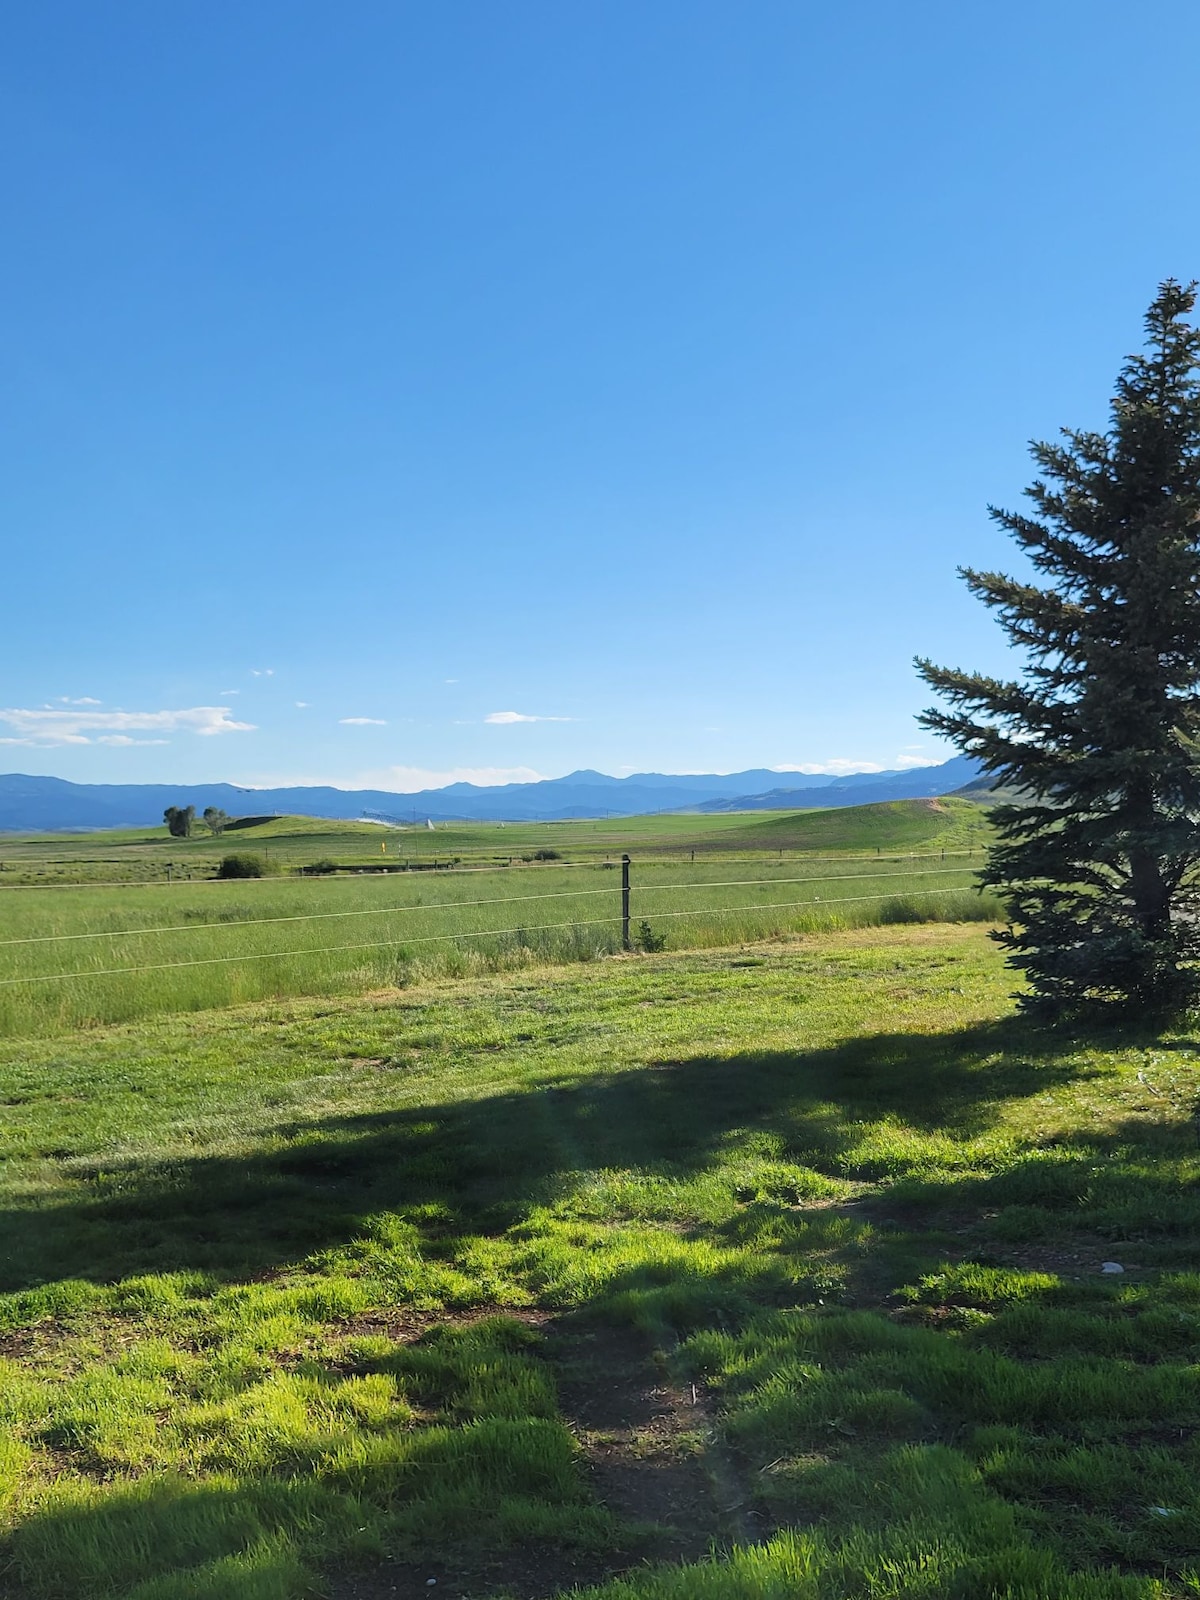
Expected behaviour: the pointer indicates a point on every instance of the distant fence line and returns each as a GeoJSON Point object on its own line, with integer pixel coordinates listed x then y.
{"type": "Point", "coordinates": [449, 869]}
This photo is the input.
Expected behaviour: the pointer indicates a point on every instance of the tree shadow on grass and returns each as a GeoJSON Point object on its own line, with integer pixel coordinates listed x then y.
{"type": "Point", "coordinates": [479, 1166]}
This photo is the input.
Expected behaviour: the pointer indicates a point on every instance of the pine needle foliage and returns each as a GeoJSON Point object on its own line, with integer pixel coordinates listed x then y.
{"type": "Point", "coordinates": [1102, 729]}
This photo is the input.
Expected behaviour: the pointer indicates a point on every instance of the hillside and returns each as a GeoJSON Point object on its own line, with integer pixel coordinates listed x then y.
{"type": "Point", "coordinates": [986, 793]}
{"type": "Point", "coordinates": [142, 855]}
{"type": "Point", "coordinates": [889, 825]}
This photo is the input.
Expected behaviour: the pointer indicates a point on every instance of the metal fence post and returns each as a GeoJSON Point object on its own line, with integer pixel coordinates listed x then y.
{"type": "Point", "coordinates": [625, 945]}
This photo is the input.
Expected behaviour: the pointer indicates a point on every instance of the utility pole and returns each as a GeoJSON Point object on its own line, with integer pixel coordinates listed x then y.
{"type": "Point", "coordinates": [625, 903]}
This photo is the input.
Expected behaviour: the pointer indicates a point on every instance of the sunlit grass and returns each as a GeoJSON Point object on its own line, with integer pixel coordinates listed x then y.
{"type": "Point", "coordinates": [276, 1280]}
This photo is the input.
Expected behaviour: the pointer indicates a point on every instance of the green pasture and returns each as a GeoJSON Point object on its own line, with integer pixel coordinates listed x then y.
{"type": "Point", "coordinates": [736, 1274]}
{"type": "Point", "coordinates": [150, 855]}
{"type": "Point", "coordinates": [79, 956]}
{"type": "Point", "coordinates": [81, 953]}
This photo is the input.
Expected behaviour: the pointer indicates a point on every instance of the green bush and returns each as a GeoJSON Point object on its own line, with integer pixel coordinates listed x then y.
{"type": "Point", "coordinates": [241, 866]}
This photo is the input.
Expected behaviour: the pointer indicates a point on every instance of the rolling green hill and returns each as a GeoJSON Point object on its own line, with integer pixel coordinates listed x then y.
{"type": "Point", "coordinates": [286, 843]}
{"type": "Point", "coordinates": [891, 825]}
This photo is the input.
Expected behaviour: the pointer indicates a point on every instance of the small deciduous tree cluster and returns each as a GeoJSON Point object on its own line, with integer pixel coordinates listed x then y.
{"type": "Point", "coordinates": [179, 821]}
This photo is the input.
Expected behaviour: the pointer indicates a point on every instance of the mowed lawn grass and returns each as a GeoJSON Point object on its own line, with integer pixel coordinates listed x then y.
{"type": "Point", "coordinates": [289, 1292]}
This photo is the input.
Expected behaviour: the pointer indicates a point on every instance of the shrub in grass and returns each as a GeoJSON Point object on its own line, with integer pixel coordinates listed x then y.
{"type": "Point", "coordinates": [241, 866]}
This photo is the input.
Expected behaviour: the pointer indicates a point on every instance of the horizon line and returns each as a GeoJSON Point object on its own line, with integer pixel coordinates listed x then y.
{"type": "Point", "coordinates": [813, 770]}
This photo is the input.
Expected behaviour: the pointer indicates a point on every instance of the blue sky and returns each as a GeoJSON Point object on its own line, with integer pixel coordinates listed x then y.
{"type": "Point", "coordinates": [397, 392]}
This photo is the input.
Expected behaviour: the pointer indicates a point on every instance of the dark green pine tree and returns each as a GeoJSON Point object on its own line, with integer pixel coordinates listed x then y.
{"type": "Point", "coordinates": [1101, 731]}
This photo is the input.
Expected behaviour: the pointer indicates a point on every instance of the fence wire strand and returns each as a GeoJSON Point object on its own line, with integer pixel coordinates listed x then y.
{"type": "Point", "coordinates": [454, 905]}
{"type": "Point", "coordinates": [442, 938]}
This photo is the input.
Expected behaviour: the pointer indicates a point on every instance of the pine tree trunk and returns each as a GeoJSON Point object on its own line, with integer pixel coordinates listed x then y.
{"type": "Point", "coordinates": [1151, 896]}
{"type": "Point", "coordinates": [1149, 891]}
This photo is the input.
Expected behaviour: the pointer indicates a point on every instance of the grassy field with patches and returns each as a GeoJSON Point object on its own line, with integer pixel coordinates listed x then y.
{"type": "Point", "coordinates": [735, 1274]}
{"type": "Point", "coordinates": [148, 855]}
{"type": "Point", "coordinates": [81, 954]}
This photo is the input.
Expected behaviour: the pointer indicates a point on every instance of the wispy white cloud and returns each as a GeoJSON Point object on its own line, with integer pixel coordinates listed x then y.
{"type": "Point", "coordinates": [49, 728]}
{"type": "Point", "coordinates": [301, 705]}
{"type": "Point", "coordinates": [123, 739]}
{"type": "Point", "coordinates": [362, 722]}
{"type": "Point", "coordinates": [224, 692]}
{"type": "Point", "coordinates": [69, 738]}
{"type": "Point", "coordinates": [503, 717]}
{"type": "Point", "coordinates": [839, 767]}
{"type": "Point", "coordinates": [83, 700]}
{"type": "Point", "coordinates": [262, 672]}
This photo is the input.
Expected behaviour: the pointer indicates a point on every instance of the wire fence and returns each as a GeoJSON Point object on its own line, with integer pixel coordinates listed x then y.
{"type": "Point", "coordinates": [497, 900]}
{"type": "Point", "coordinates": [647, 896]}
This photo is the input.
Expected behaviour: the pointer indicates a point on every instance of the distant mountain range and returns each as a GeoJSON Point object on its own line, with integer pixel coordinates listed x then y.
{"type": "Point", "coordinates": [33, 804]}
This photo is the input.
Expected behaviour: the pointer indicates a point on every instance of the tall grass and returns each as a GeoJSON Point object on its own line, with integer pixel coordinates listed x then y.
{"type": "Point", "coordinates": [110, 955]}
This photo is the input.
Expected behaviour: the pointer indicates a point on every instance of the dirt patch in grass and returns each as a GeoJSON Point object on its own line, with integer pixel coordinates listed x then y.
{"type": "Point", "coordinates": [404, 1324]}
{"type": "Point", "coordinates": [646, 1439]}
{"type": "Point", "coordinates": [56, 1345]}
{"type": "Point", "coordinates": [1080, 1255]}
{"type": "Point", "coordinates": [649, 1451]}
{"type": "Point", "coordinates": [27, 1344]}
